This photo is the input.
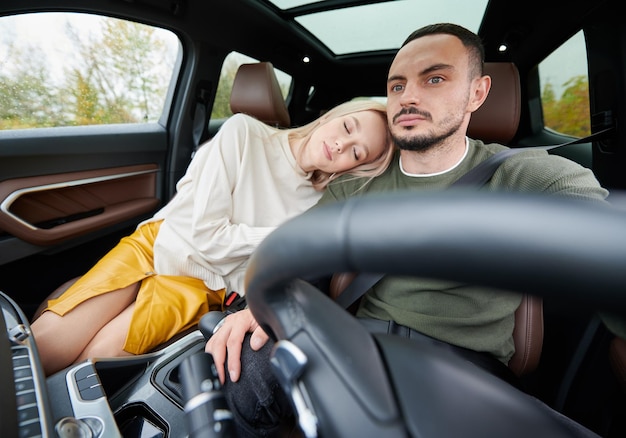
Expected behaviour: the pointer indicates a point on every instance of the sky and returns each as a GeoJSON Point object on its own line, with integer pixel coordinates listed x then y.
{"type": "Point", "coordinates": [47, 31]}
{"type": "Point", "coordinates": [566, 63]}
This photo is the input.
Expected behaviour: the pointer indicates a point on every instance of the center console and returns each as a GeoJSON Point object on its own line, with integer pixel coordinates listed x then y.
{"type": "Point", "coordinates": [137, 396]}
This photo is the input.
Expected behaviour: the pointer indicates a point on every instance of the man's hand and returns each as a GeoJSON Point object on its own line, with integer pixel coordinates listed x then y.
{"type": "Point", "coordinates": [228, 341]}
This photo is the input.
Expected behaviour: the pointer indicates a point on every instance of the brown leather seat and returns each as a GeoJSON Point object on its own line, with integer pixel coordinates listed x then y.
{"type": "Point", "coordinates": [617, 359]}
{"type": "Point", "coordinates": [256, 92]}
{"type": "Point", "coordinates": [55, 294]}
{"type": "Point", "coordinates": [527, 333]}
{"type": "Point", "coordinates": [497, 120]}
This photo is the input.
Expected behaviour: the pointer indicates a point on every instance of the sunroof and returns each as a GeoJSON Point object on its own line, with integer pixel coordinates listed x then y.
{"type": "Point", "coordinates": [381, 26]}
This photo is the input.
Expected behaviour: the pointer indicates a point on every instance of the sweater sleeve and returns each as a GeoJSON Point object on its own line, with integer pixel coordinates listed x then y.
{"type": "Point", "coordinates": [537, 171]}
{"type": "Point", "coordinates": [211, 183]}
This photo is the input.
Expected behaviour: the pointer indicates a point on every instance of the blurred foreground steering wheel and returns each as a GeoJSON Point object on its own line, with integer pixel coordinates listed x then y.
{"type": "Point", "coordinates": [346, 382]}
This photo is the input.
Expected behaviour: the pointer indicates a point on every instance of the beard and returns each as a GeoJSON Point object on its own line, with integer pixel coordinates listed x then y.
{"type": "Point", "coordinates": [420, 143]}
{"type": "Point", "coordinates": [424, 142]}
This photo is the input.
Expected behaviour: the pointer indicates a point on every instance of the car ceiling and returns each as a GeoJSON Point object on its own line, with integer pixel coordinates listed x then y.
{"type": "Point", "coordinates": [525, 25]}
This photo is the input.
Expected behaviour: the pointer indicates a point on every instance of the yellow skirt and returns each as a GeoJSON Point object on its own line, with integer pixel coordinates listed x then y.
{"type": "Point", "coordinates": [165, 304]}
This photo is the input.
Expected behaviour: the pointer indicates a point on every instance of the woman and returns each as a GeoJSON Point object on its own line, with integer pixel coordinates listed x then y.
{"type": "Point", "coordinates": [183, 261]}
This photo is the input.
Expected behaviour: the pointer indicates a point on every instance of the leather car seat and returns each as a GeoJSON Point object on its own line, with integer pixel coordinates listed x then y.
{"type": "Point", "coordinates": [527, 332]}
{"type": "Point", "coordinates": [498, 118]}
{"type": "Point", "coordinates": [256, 92]}
{"type": "Point", "coordinates": [617, 359]}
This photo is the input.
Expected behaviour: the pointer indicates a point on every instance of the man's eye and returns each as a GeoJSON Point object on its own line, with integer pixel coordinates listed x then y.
{"type": "Point", "coordinates": [396, 88]}
{"type": "Point", "coordinates": [435, 80]}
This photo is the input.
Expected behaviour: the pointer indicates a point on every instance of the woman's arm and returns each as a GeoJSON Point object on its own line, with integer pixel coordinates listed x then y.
{"type": "Point", "coordinates": [208, 196]}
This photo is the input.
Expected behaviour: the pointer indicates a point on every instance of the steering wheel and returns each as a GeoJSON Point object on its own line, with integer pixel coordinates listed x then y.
{"type": "Point", "coordinates": [347, 382]}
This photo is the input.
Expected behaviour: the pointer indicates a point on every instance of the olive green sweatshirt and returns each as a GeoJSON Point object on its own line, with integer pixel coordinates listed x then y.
{"type": "Point", "coordinates": [477, 318]}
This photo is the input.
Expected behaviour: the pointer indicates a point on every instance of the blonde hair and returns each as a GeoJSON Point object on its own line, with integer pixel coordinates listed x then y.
{"type": "Point", "coordinates": [374, 168]}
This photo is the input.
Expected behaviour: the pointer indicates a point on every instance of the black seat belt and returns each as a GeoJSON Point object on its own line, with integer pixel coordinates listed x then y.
{"type": "Point", "coordinates": [201, 115]}
{"type": "Point", "coordinates": [482, 173]}
{"type": "Point", "coordinates": [478, 176]}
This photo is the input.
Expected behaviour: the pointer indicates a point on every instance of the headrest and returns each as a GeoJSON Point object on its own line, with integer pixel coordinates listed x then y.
{"type": "Point", "coordinates": [256, 92]}
{"type": "Point", "coordinates": [496, 121]}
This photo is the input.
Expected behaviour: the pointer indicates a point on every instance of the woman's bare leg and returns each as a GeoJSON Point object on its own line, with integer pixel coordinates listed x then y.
{"type": "Point", "coordinates": [109, 341]}
{"type": "Point", "coordinates": [61, 339]}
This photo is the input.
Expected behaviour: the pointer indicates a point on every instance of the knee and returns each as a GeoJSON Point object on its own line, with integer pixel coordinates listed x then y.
{"type": "Point", "coordinates": [45, 326]}
{"type": "Point", "coordinates": [102, 347]}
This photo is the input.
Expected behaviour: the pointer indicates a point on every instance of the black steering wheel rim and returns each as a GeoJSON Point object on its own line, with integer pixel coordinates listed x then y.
{"type": "Point", "coordinates": [493, 239]}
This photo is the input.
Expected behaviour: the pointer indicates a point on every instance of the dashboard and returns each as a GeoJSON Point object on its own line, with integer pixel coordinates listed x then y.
{"type": "Point", "coordinates": [138, 396]}
{"type": "Point", "coordinates": [24, 404]}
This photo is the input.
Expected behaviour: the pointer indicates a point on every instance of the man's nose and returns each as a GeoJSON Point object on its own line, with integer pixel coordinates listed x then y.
{"type": "Point", "coordinates": [410, 95]}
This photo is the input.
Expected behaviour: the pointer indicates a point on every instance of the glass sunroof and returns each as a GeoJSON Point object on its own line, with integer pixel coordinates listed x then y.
{"type": "Point", "coordinates": [382, 26]}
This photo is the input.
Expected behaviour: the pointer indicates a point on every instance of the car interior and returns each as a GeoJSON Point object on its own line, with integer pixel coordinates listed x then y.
{"type": "Point", "coordinates": [427, 399]}
{"type": "Point", "coordinates": [69, 193]}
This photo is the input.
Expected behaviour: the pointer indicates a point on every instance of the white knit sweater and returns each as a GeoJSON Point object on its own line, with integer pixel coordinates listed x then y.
{"type": "Point", "coordinates": [238, 188]}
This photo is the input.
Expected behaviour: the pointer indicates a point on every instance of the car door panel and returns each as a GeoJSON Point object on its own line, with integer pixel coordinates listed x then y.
{"type": "Point", "coordinates": [59, 184]}
{"type": "Point", "coordinates": [46, 210]}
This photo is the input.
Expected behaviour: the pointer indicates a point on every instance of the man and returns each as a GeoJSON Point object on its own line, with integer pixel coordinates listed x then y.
{"type": "Point", "coordinates": [434, 84]}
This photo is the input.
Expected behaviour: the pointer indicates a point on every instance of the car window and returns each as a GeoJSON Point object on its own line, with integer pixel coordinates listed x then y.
{"type": "Point", "coordinates": [221, 106]}
{"type": "Point", "coordinates": [71, 69]}
{"type": "Point", "coordinates": [565, 89]}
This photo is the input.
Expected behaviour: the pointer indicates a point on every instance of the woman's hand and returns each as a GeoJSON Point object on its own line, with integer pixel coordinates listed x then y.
{"type": "Point", "coordinates": [228, 341]}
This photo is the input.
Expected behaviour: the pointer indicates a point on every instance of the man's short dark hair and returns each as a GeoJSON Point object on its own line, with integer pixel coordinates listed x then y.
{"type": "Point", "coordinates": [469, 39]}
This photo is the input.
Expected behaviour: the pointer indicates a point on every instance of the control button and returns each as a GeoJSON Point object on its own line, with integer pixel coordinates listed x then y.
{"type": "Point", "coordinates": [95, 424]}
{"type": "Point", "coordinates": [18, 334]}
{"type": "Point", "coordinates": [22, 373]}
{"type": "Point", "coordinates": [27, 413]}
{"type": "Point", "coordinates": [88, 382]}
{"type": "Point", "coordinates": [92, 393]}
{"type": "Point", "coordinates": [26, 398]}
{"type": "Point", "coordinates": [69, 427]}
{"type": "Point", "coordinates": [20, 357]}
{"type": "Point", "coordinates": [84, 372]}
{"type": "Point", "coordinates": [24, 385]}
{"type": "Point", "coordinates": [32, 429]}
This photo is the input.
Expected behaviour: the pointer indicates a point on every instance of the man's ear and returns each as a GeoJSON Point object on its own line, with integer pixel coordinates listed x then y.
{"type": "Point", "coordinates": [479, 92]}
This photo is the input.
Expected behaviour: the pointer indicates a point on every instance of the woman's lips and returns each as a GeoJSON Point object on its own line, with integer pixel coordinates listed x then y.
{"type": "Point", "coordinates": [327, 153]}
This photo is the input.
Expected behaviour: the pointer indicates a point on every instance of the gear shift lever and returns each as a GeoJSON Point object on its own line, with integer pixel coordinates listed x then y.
{"type": "Point", "coordinates": [207, 412]}
{"type": "Point", "coordinates": [210, 323]}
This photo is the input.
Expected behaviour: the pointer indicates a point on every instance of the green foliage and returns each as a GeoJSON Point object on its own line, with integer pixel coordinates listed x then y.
{"type": "Point", "coordinates": [221, 105]}
{"type": "Point", "coordinates": [569, 114]}
{"type": "Point", "coordinates": [25, 100]}
{"type": "Point", "coordinates": [118, 73]}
